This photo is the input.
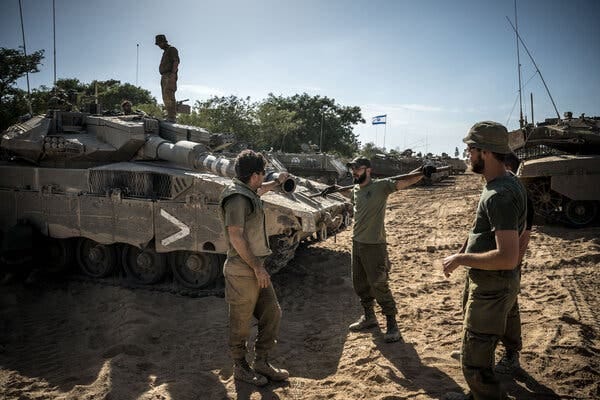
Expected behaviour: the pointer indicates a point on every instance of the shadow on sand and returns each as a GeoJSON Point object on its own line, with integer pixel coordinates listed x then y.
{"type": "Point", "coordinates": [416, 376]}
{"type": "Point", "coordinates": [523, 386]}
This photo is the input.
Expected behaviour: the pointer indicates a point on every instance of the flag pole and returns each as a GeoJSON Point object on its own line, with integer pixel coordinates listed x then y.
{"type": "Point", "coordinates": [25, 54]}
{"type": "Point", "coordinates": [54, 35]}
{"type": "Point", "coordinates": [384, 131]}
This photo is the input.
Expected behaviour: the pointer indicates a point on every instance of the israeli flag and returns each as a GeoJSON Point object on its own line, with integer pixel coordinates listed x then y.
{"type": "Point", "coordinates": [379, 120]}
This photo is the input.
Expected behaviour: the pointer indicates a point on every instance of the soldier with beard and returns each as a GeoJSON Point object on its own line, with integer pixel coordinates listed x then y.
{"type": "Point", "coordinates": [370, 264]}
{"type": "Point", "coordinates": [492, 259]}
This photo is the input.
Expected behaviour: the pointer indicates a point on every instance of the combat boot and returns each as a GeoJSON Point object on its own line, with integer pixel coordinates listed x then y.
{"type": "Point", "coordinates": [509, 363]}
{"type": "Point", "coordinates": [243, 372]}
{"type": "Point", "coordinates": [263, 367]}
{"type": "Point", "coordinates": [392, 334]}
{"type": "Point", "coordinates": [365, 321]}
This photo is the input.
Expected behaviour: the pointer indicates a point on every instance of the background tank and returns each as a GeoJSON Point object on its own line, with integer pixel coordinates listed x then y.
{"type": "Point", "coordinates": [114, 191]}
{"type": "Point", "coordinates": [561, 167]}
{"type": "Point", "coordinates": [457, 165]}
{"type": "Point", "coordinates": [316, 166]}
{"type": "Point", "coordinates": [385, 165]}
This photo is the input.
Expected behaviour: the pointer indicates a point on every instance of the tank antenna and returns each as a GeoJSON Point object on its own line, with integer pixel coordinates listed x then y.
{"type": "Point", "coordinates": [25, 53]}
{"type": "Point", "coordinates": [535, 65]}
{"type": "Point", "coordinates": [532, 120]}
{"type": "Point", "coordinates": [54, 33]}
{"type": "Point", "coordinates": [519, 68]}
{"type": "Point", "coordinates": [137, 63]}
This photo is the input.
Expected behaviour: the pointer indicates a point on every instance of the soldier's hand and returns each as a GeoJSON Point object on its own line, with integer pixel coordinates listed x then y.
{"type": "Point", "coordinates": [262, 276]}
{"type": "Point", "coordinates": [450, 263]}
{"type": "Point", "coordinates": [282, 177]}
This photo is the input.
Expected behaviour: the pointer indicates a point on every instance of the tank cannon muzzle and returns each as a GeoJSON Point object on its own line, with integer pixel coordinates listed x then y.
{"type": "Point", "coordinates": [287, 186]}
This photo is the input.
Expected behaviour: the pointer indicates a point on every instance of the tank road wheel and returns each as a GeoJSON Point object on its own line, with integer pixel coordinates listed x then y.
{"type": "Point", "coordinates": [57, 254]}
{"type": "Point", "coordinates": [144, 266]}
{"type": "Point", "coordinates": [580, 213]}
{"type": "Point", "coordinates": [545, 201]}
{"type": "Point", "coordinates": [95, 259]}
{"type": "Point", "coordinates": [195, 270]}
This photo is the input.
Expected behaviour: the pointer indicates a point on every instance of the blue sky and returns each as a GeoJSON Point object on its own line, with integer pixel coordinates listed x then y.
{"type": "Point", "coordinates": [434, 67]}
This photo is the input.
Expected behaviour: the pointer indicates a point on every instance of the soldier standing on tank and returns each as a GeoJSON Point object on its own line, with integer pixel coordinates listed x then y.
{"type": "Point", "coordinates": [169, 65]}
{"type": "Point", "coordinates": [248, 288]}
{"type": "Point", "coordinates": [370, 265]}
{"type": "Point", "coordinates": [492, 257]}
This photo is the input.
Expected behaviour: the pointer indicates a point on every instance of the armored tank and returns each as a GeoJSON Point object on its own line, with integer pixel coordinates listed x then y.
{"type": "Point", "coordinates": [561, 167]}
{"type": "Point", "coordinates": [316, 166]}
{"type": "Point", "coordinates": [457, 165]}
{"type": "Point", "coordinates": [385, 165]}
{"type": "Point", "coordinates": [140, 196]}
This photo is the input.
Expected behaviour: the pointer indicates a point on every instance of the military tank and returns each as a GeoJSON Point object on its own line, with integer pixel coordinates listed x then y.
{"type": "Point", "coordinates": [320, 167]}
{"type": "Point", "coordinates": [385, 165]}
{"type": "Point", "coordinates": [561, 167]}
{"type": "Point", "coordinates": [457, 165]}
{"type": "Point", "coordinates": [140, 196]}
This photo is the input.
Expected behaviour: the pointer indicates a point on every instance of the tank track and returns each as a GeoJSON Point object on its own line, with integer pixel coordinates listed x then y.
{"type": "Point", "coordinates": [121, 281]}
{"type": "Point", "coordinates": [284, 250]}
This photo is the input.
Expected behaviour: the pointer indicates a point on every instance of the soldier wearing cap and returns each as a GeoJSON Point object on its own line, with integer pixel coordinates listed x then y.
{"type": "Point", "coordinates": [169, 65]}
{"type": "Point", "coordinates": [370, 265]}
{"type": "Point", "coordinates": [126, 107]}
{"type": "Point", "coordinates": [491, 256]}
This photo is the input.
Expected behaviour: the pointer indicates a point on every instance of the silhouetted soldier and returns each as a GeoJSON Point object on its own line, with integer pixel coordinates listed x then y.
{"type": "Point", "coordinates": [169, 65]}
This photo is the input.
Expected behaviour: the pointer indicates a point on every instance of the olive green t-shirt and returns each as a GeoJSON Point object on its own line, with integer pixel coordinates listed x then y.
{"type": "Point", "coordinates": [502, 207]}
{"type": "Point", "coordinates": [237, 208]}
{"type": "Point", "coordinates": [170, 55]}
{"type": "Point", "coordinates": [369, 210]}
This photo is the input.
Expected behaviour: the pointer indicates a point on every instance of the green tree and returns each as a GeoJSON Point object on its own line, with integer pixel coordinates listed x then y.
{"type": "Point", "coordinates": [225, 115]}
{"type": "Point", "coordinates": [369, 150]}
{"type": "Point", "coordinates": [319, 118]}
{"type": "Point", "coordinates": [110, 94]}
{"type": "Point", "coordinates": [273, 126]}
{"type": "Point", "coordinates": [114, 94]}
{"type": "Point", "coordinates": [13, 65]}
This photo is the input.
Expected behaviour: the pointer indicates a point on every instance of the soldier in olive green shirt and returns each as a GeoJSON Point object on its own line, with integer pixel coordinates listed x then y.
{"type": "Point", "coordinates": [168, 68]}
{"type": "Point", "coordinates": [370, 265]}
{"type": "Point", "coordinates": [491, 257]}
{"type": "Point", "coordinates": [248, 288]}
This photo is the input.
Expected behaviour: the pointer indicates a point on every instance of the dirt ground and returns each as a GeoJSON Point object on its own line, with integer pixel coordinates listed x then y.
{"type": "Point", "coordinates": [79, 340]}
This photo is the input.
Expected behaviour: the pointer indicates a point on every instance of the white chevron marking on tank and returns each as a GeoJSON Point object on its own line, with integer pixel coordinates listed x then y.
{"type": "Point", "coordinates": [183, 232]}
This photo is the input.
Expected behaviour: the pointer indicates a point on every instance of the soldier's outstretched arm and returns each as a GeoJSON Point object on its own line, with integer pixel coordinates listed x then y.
{"type": "Point", "coordinates": [409, 181]}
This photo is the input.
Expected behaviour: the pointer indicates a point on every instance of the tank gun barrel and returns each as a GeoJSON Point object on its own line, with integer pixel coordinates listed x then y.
{"type": "Point", "coordinates": [197, 156]}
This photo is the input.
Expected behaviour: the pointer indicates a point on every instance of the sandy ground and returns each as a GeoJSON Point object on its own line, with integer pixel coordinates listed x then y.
{"type": "Point", "coordinates": [84, 341]}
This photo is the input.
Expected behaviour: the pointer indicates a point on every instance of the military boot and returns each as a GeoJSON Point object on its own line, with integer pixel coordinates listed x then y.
{"type": "Point", "coordinates": [509, 363]}
{"type": "Point", "coordinates": [365, 321]}
{"type": "Point", "coordinates": [263, 367]}
{"type": "Point", "coordinates": [243, 372]}
{"type": "Point", "coordinates": [392, 334]}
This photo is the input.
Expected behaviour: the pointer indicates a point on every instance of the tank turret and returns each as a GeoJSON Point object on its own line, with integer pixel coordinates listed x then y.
{"type": "Point", "coordinates": [561, 167]}
{"type": "Point", "coordinates": [139, 194]}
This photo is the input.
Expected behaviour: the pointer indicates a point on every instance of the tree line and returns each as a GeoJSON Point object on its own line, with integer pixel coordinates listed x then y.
{"type": "Point", "coordinates": [276, 123]}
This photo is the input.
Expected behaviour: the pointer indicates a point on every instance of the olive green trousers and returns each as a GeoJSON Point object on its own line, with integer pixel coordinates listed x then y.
{"type": "Point", "coordinates": [370, 268]}
{"type": "Point", "coordinates": [246, 301]}
{"type": "Point", "coordinates": [489, 305]}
